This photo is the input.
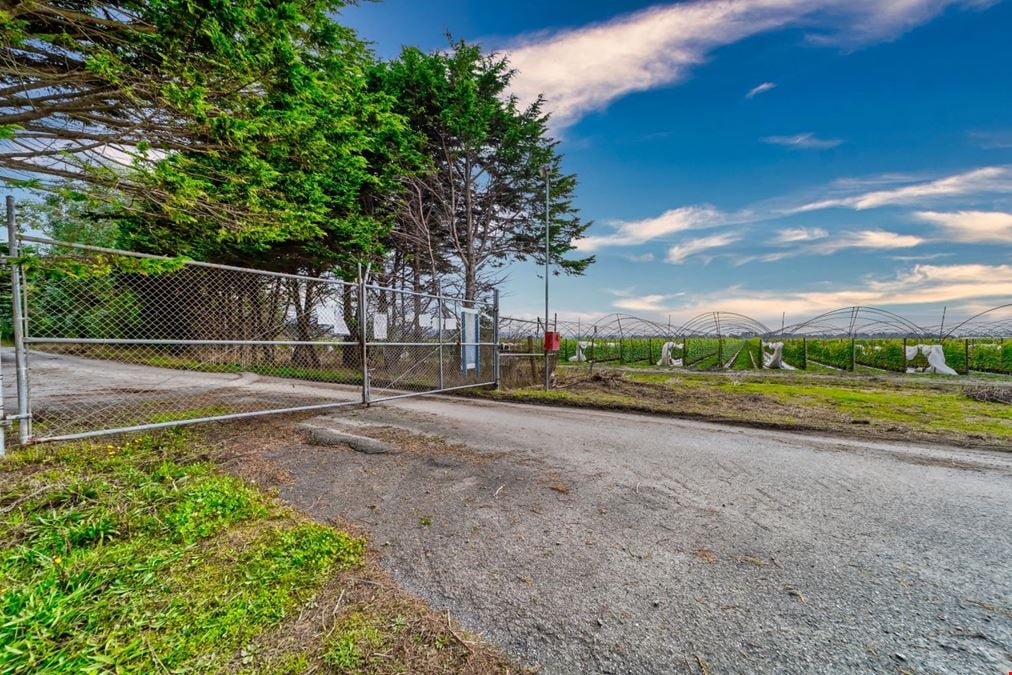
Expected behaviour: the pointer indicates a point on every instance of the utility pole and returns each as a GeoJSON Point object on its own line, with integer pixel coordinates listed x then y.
{"type": "Point", "coordinates": [544, 174]}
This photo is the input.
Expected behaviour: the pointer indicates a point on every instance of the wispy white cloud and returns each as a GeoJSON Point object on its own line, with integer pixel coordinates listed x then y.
{"type": "Point", "coordinates": [679, 253]}
{"type": "Point", "coordinates": [924, 257]}
{"type": "Point", "coordinates": [794, 235]}
{"type": "Point", "coordinates": [760, 88]}
{"type": "Point", "coordinates": [976, 181]}
{"type": "Point", "coordinates": [642, 258]}
{"type": "Point", "coordinates": [972, 226]}
{"type": "Point", "coordinates": [804, 141]}
{"type": "Point", "coordinates": [816, 241]}
{"type": "Point", "coordinates": [865, 239]}
{"type": "Point", "coordinates": [965, 286]}
{"type": "Point", "coordinates": [644, 303]}
{"type": "Point", "coordinates": [586, 68]}
{"type": "Point", "coordinates": [852, 193]}
{"type": "Point", "coordinates": [764, 258]}
{"type": "Point", "coordinates": [630, 233]}
{"type": "Point", "coordinates": [992, 140]}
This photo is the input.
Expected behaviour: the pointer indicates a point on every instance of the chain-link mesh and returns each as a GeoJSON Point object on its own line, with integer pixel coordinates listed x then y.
{"type": "Point", "coordinates": [522, 357]}
{"type": "Point", "coordinates": [420, 342]}
{"type": "Point", "coordinates": [118, 340]}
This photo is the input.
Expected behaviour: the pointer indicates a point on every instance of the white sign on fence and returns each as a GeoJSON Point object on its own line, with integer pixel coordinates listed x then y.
{"type": "Point", "coordinates": [340, 326]}
{"type": "Point", "coordinates": [469, 320]}
{"type": "Point", "coordinates": [379, 326]}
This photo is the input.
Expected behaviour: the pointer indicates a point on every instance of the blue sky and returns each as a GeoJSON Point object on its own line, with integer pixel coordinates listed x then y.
{"type": "Point", "coordinates": [761, 157]}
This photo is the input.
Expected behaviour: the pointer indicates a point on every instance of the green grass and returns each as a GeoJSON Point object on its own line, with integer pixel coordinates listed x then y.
{"type": "Point", "coordinates": [352, 643]}
{"type": "Point", "coordinates": [927, 409]}
{"type": "Point", "coordinates": [750, 356]}
{"type": "Point", "coordinates": [930, 407]}
{"type": "Point", "coordinates": [136, 557]}
{"type": "Point", "coordinates": [814, 367]}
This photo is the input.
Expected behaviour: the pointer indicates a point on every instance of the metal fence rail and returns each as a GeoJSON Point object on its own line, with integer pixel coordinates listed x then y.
{"type": "Point", "coordinates": [107, 341]}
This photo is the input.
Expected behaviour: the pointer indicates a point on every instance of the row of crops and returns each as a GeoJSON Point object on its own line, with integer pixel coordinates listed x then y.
{"type": "Point", "coordinates": [989, 355]}
{"type": "Point", "coordinates": [699, 353]}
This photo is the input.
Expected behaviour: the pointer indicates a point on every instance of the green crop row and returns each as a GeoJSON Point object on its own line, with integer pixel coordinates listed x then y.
{"type": "Point", "coordinates": [985, 355]}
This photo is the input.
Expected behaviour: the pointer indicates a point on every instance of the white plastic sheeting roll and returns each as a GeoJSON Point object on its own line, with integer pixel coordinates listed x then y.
{"type": "Point", "coordinates": [774, 359]}
{"type": "Point", "coordinates": [935, 356]}
{"type": "Point", "coordinates": [666, 350]}
{"type": "Point", "coordinates": [579, 356]}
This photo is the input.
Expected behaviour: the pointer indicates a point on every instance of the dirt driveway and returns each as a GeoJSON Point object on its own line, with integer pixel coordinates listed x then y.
{"type": "Point", "coordinates": [587, 541]}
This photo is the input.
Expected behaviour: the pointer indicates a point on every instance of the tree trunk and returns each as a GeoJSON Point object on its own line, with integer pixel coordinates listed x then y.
{"type": "Point", "coordinates": [351, 355]}
{"type": "Point", "coordinates": [304, 356]}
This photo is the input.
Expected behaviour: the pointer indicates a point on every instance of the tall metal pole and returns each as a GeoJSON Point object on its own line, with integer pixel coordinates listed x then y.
{"type": "Point", "coordinates": [20, 357]}
{"type": "Point", "coordinates": [495, 337]}
{"type": "Point", "coordinates": [363, 321]}
{"type": "Point", "coordinates": [544, 174]}
{"type": "Point", "coordinates": [439, 300]}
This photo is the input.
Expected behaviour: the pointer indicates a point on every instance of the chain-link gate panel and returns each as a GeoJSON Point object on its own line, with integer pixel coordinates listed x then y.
{"type": "Point", "coordinates": [419, 342]}
{"type": "Point", "coordinates": [117, 340]}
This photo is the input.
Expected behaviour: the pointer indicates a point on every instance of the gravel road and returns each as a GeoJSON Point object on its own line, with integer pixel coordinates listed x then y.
{"type": "Point", "coordinates": [603, 542]}
{"type": "Point", "coordinates": [588, 542]}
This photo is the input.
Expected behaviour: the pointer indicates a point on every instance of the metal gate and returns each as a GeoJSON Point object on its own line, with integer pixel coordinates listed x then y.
{"type": "Point", "coordinates": [107, 341]}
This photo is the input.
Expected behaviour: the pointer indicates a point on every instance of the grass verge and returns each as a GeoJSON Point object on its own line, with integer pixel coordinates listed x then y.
{"type": "Point", "coordinates": [888, 408]}
{"type": "Point", "coordinates": [141, 556]}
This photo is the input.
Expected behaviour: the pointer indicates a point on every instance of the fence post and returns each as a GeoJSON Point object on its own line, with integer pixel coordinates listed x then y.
{"type": "Point", "coordinates": [530, 361]}
{"type": "Point", "coordinates": [904, 356]}
{"type": "Point", "coordinates": [17, 316]}
{"type": "Point", "coordinates": [363, 335]}
{"type": "Point", "coordinates": [440, 320]}
{"type": "Point", "coordinates": [495, 337]}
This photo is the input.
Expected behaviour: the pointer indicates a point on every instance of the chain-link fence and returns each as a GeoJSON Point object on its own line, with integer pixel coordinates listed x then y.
{"type": "Point", "coordinates": [522, 356]}
{"type": "Point", "coordinates": [111, 341]}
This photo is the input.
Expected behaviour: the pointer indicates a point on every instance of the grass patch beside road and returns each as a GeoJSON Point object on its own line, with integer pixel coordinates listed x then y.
{"type": "Point", "coordinates": [930, 409]}
{"type": "Point", "coordinates": [925, 409]}
{"type": "Point", "coordinates": [142, 556]}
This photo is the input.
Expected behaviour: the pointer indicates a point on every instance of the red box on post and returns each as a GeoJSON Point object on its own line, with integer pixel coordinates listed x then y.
{"type": "Point", "coordinates": [552, 341]}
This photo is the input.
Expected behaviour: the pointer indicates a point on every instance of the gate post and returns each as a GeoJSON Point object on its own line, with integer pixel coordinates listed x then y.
{"type": "Point", "coordinates": [440, 319]}
{"type": "Point", "coordinates": [24, 416]}
{"type": "Point", "coordinates": [363, 328]}
{"type": "Point", "coordinates": [495, 337]}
